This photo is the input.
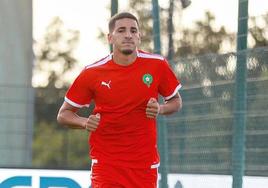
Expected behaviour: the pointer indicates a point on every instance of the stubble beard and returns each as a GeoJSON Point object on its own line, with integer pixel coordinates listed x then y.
{"type": "Point", "coordinates": [127, 51]}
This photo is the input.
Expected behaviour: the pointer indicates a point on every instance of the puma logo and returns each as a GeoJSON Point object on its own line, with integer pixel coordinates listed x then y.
{"type": "Point", "coordinates": [106, 84]}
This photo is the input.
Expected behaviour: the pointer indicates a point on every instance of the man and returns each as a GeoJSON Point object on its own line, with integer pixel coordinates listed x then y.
{"type": "Point", "coordinates": [125, 87]}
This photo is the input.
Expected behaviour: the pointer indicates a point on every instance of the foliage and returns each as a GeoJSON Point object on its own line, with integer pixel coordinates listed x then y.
{"type": "Point", "coordinates": [204, 38]}
{"type": "Point", "coordinates": [55, 54]}
{"type": "Point", "coordinates": [258, 32]}
{"type": "Point", "coordinates": [54, 146]}
{"type": "Point", "coordinates": [54, 61]}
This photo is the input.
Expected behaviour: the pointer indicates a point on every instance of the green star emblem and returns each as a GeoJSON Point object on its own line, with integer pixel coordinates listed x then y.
{"type": "Point", "coordinates": [147, 79]}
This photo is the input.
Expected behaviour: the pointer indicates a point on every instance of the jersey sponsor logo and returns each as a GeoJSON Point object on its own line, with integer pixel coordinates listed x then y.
{"type": "Point", "coordinates": [147, 79]}
{"type": "Point", "coordinates": [107, 84]}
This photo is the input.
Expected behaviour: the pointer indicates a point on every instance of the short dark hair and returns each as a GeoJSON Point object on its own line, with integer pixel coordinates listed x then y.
{"type": "Point", "coordinates": [120, 16]}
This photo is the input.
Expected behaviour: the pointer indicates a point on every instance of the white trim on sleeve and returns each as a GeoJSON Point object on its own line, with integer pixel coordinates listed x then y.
{"type": "Point", "coordinates": [174, 93]}
{"type": "Point", "coordinates": [75, 104]}
{"type": "Point", "coordinates": [155, 165]}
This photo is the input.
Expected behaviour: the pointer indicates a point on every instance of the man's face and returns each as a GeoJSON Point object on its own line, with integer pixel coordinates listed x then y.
{"type": "Point", "coordinates": [125, 37]}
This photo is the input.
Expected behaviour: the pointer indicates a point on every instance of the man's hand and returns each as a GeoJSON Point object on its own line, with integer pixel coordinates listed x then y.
{"type": "Point", "coordinates": [92, 122]}
{"type": "Point", "coordinates": [153, 108]}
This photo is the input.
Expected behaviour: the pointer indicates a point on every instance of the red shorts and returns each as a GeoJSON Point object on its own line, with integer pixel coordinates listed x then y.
{"type": "Point", "coordinates": [107, 176]}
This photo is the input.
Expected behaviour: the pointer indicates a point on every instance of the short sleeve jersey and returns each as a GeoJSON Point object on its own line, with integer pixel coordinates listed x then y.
{"type": "Point", "coordinates": [125, 136]}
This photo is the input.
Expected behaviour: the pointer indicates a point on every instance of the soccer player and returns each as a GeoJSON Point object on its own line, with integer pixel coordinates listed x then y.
{"type": "Point", "coordinates": [124, 86]}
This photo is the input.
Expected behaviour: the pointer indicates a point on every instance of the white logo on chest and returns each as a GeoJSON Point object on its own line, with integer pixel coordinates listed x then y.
{"type": "Point", "coordinates": [107, 84]}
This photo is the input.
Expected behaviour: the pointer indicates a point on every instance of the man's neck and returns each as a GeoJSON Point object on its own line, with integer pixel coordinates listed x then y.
{"type": "Point", "coordinates": [122, 59]}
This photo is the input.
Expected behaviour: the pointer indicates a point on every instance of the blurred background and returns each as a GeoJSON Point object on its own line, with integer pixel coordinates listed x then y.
{"type": "Point", "coordinates": [218, 49]}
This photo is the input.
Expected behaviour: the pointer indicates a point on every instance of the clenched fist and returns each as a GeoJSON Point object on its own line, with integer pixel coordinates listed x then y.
{"type": "Point", "coordinates": [152, 108]}
{"type": "Point", "coordinates": [92, 122]}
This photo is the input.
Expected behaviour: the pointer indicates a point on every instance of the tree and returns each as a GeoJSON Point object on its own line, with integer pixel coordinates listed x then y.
{"type": "Point", "coordinates": [55, 54]}
{"type": "Point", "coordinates": [203, 38]}
{"type": "Point", "coordinates": [53, 148]}
{"type": "Point", "coordinates": [55, 62]}
{"type": "Point", "coordinates": [53, 145]}
{"type": "Point", "coordinates": [258, 32]}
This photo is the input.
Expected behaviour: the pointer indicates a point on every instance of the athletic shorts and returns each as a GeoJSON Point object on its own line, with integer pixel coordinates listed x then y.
{"type": "Point", "coordinates": [107, 176]}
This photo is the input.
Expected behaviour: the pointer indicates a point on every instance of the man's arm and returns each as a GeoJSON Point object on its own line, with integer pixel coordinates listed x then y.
{"type": "Point", "coordinates": [67, 116]}
{"type": "Point", "coordinates": [172, 105]}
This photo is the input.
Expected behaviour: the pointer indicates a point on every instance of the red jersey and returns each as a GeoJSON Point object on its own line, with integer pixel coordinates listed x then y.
{"type": "Point", "coordinates": [125, 136]}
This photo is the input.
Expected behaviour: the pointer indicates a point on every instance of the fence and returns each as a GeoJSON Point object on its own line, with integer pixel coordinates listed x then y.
{"type": "Point", "coordinates": [199, 137]}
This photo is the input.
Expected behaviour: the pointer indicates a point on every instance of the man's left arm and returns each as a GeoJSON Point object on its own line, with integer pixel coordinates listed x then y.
{"type": "Point", "coordinates": [170, 106]}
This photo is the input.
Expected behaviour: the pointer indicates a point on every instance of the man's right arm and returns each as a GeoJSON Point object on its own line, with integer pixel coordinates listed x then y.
{"type": "Point", "coordinates": [67, 116]}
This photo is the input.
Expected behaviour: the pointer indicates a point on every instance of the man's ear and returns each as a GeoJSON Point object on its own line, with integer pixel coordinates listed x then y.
{"type": "Point", "coordinates": [140, 36]}
{"type": "Point", "coordinates": [109, 37]}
